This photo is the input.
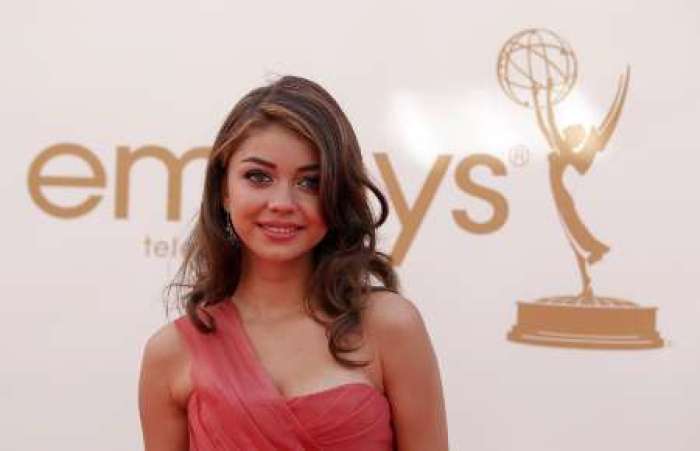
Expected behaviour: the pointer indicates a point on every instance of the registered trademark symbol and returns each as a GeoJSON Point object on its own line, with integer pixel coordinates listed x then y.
{"type": "Point", "coordinates": [519, 156]}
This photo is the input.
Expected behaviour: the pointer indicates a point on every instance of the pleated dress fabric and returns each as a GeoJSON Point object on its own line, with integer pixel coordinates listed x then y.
{"type": "Point", "coordinates": [234, 405]}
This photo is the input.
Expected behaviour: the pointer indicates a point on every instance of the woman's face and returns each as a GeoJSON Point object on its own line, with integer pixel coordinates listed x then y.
{"type": "Point", "coordinates": [272, 195]}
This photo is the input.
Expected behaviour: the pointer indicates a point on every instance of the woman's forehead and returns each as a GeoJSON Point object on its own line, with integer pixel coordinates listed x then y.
{"type": "Point", "coordinates": [277, 145]}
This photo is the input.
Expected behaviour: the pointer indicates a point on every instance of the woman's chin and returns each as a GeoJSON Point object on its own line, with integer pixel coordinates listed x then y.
{"type": "Point", "coordinates": [277, 256]}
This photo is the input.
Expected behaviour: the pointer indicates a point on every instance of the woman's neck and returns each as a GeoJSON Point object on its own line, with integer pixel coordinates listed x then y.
{"type": "Point", "coordinates": [269, 290]}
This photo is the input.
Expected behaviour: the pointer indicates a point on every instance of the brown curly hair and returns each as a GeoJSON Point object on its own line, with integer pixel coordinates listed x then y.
{"type": "Point", "coordinates": [347, 265]}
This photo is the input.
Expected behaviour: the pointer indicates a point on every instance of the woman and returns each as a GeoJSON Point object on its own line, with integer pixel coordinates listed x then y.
{"type": "Point", "coordinates": [295, 337]}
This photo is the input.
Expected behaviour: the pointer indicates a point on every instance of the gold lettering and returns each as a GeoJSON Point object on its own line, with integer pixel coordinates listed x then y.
{"type": "Point", "coordinates": [410, 218]}
{"type": "Point", "coordinates": [497, 201]}
{"type": "Point", "coordinates": [174, 166]}
{"type": "Point", "coordinates": [36, 180]}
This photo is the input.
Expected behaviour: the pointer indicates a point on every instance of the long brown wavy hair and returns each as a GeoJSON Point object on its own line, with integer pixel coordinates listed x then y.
{"type": "Point", "coordinates": [347, 265]}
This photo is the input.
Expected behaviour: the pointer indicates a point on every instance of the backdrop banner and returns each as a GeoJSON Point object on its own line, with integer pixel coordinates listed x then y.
{"type": "Point", "coordinates": [540, 160]}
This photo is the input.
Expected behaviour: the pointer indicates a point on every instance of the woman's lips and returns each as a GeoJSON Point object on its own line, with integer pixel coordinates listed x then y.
{"type": "Point", "coordinates": [279, 232]}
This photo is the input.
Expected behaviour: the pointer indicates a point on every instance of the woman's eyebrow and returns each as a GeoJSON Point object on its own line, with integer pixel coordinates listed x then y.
{"type": "Point", "coordinates": [269, 164]}
{"type": "Point", "coordinates": [260, 161]}
{"type": "Point", "coordinates": [309, 167]}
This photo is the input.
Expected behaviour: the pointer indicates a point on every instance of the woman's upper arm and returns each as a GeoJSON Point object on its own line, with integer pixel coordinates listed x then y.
{"type": "Point", "coordinates": [163, 416]}
{"type": "Point", "coordinates": [410, 373]}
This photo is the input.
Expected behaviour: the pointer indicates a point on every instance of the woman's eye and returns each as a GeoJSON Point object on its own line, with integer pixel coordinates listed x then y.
{"type": "Point", "coordinates": [258, 177]}
{"type": "Point", "coordinates": [310, 183]}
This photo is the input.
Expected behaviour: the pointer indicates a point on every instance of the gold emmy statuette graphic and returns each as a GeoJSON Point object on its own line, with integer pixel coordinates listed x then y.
{"type": "Point", "coordinates": [537, 69]}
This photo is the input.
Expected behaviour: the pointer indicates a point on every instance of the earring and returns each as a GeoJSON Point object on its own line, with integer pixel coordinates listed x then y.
{"type": "Point", "coordinates": [230, 233]}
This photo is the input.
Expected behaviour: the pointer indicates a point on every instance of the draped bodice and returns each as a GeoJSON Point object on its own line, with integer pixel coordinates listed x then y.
{"type": "Point", "coordinates": [234, 404]}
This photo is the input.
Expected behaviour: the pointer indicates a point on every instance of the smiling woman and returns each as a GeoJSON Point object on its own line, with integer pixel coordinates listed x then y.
{"type": "Point", "coordinates": [295, 336]}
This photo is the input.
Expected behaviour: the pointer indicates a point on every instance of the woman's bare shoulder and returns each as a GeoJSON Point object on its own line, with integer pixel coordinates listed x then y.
{"type": "Point", "coordinates": [166, 358]}
{"type": "Point", "coordinates": [165, 346]}
{"type": "Point", "coordinates": [389, 316]}
{"type": "Point", "coordinates": [169, 343]}
{"type": "Point", "coordinates": [164, 390]}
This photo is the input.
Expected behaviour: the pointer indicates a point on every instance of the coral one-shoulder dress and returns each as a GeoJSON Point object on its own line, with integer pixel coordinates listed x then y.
{"type": "Point", "coordinates": [234, 404]}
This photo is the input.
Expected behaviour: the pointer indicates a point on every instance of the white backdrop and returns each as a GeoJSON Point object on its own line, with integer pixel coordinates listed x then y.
{"type": "Point", "coordinates": [417, 80]}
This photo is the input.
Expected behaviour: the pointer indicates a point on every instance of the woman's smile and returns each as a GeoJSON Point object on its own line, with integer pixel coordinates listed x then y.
{"type": "Point", "coordinates": [280, 232]}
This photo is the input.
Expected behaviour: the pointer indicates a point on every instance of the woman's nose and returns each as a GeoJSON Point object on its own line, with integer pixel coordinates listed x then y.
{"type": "Point", "coordinates": [282, 200]}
